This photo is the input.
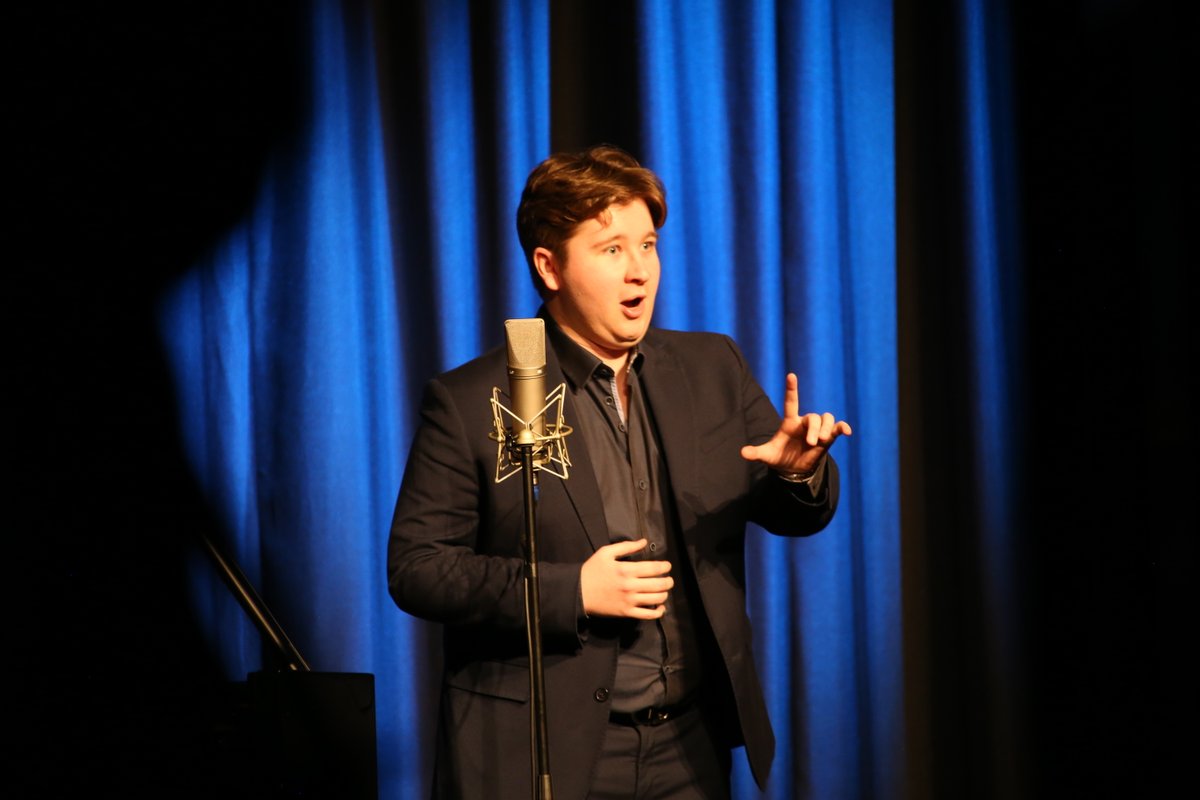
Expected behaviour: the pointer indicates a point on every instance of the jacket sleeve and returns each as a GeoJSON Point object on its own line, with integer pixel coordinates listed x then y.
{"type": "Point", "coordinates": [449, 559]}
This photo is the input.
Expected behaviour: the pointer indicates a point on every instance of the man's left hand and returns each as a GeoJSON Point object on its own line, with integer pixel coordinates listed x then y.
{"type": "Point", "coordinates": [801, 441]}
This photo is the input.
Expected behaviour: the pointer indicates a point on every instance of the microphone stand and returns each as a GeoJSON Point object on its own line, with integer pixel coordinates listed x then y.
{"type": "Point", "coordinates": [528, 451]}
{"type": "Point", "coordinates": [533, 627]}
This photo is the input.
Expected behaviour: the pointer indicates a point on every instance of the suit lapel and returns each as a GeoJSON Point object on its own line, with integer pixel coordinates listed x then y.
{"type": "Point", "coordinates": [669, 395]}
{"type": "Point", "coordinates": [581, 487]}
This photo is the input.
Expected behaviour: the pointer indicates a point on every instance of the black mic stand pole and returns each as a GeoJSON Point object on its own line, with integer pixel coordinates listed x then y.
{"type": "Point", "coordinates": [533, 627]}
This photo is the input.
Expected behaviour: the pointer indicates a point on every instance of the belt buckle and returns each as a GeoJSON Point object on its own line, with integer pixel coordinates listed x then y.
{"type": "Point", "coordinates": [656, 716]}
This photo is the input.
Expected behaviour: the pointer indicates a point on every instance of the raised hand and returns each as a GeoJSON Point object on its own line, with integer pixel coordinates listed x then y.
{"type": "Point", "coordinates": [801, 441]}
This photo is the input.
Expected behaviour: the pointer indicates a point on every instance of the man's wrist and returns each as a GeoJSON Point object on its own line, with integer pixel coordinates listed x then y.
{"type": "Point", "coordinates": [801, 478]}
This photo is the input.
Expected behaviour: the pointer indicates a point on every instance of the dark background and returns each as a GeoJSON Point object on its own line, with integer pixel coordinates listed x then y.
{"type": "Point", "coordinates": [1112, 353]}
{"type": "Point", "coordinates": [140, 138]}
{"type": "Point", "coordinates": [1104, 544]}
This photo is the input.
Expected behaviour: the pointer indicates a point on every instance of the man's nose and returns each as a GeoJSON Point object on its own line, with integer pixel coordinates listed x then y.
{"type": "Point", "coordinates": [637, 271]}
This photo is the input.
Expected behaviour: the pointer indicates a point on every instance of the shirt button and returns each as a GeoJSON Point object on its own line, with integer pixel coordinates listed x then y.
{"type": "Point", "coordinates": [642, 484]}
{"type": "Point", "coordinates": [600, 695]}
{"type": "Point", "coordinates": [653, 547]}
{"type": "Point", "coordinates": [608, 401]}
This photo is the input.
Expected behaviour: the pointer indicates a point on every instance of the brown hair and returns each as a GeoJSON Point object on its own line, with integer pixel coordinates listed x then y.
{"type": "Point", "coordinates": [567, 189]}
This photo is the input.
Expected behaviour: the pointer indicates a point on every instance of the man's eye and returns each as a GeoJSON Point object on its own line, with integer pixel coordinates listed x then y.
{"type": "Point", "coordinates": [648, 245]}
{"type": "Point", "coordinates": [613, 249]}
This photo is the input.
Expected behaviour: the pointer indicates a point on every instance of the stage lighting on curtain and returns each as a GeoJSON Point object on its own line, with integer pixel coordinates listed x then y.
{"type": "Point", "coordinates": [285, 350]}
{"type": "Point", "coordinates": [771, 125]}
{"type": "Point", "coordinates": [381, 250]}
{"type": "Point", "coordinates": [292, 341]}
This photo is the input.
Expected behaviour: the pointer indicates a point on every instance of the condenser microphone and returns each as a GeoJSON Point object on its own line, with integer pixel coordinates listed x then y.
{"type": "Point", "coordinates": [526, 340]}
{"type": "Point", "coordinates": [534, 422]}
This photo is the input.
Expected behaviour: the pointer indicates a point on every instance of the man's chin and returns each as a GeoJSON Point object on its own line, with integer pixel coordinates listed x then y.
{"type": "Point", "coordinates": [633, 339]}
{"type": "Point", "coordinates": [636, 332]}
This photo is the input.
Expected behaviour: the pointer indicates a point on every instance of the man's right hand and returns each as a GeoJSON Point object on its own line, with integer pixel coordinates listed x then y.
{"type": "Point", "coordinates": [615, 588]}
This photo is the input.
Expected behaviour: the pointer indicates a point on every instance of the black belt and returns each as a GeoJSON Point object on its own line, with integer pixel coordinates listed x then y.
{"type": "Point", "coordinates": [652, 715]}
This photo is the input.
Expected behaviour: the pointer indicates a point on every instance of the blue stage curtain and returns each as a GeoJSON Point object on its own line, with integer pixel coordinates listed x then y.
{"type": "Point", "coordinates": [771, 125]}
{"type": "Point", "coordinates": [301, 342]}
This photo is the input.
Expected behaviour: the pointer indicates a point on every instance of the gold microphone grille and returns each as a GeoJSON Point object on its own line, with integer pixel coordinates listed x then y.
{"type": "Point", "coordinates": [526, 343]}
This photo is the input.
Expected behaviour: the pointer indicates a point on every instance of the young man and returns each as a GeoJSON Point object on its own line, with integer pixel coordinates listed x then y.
{"type": "Point", "coordinates": [650, 679]}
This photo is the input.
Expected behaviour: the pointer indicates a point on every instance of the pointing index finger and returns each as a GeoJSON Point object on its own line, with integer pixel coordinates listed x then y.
{"type": "Point", "coordinates": [791, 397]}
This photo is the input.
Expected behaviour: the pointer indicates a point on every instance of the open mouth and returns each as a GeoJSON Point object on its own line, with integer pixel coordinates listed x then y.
{"type": "Point", "coordinates": [634, 308]}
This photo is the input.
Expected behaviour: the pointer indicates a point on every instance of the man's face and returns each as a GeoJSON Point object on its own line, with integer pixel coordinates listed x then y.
{"type": "Point", "coordinates": [604, 289]}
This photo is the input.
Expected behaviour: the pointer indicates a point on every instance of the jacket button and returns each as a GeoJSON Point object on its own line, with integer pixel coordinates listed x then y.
{"type": "Point", "coordinates": [600, 695]}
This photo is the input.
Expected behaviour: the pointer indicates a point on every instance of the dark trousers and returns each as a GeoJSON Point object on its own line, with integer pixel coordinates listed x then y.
{"type": "Point", "coordinates": [679, 759]}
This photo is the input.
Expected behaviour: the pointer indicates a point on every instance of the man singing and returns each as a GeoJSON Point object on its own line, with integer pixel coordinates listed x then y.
{"type": "Point", "coordinates": [650, 679]}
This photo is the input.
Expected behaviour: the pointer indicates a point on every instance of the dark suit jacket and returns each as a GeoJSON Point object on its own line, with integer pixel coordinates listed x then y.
{"type": "Point", "coordinates": [455, 556]}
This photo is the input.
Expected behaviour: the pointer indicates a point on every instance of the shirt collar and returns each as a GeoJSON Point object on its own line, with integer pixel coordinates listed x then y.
{"type": "Point", "coordinates": [578, 364]}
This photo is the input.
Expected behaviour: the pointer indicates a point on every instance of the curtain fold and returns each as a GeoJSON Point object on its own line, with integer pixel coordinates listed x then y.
{"type": "Point", "coordinates": [992, 307]}
{"type": "Point", "coordinates": [959, 274]}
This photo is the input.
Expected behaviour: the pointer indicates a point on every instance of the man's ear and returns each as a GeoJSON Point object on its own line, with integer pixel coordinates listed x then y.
{"type": "Point", "coordinates": [548, 268]}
